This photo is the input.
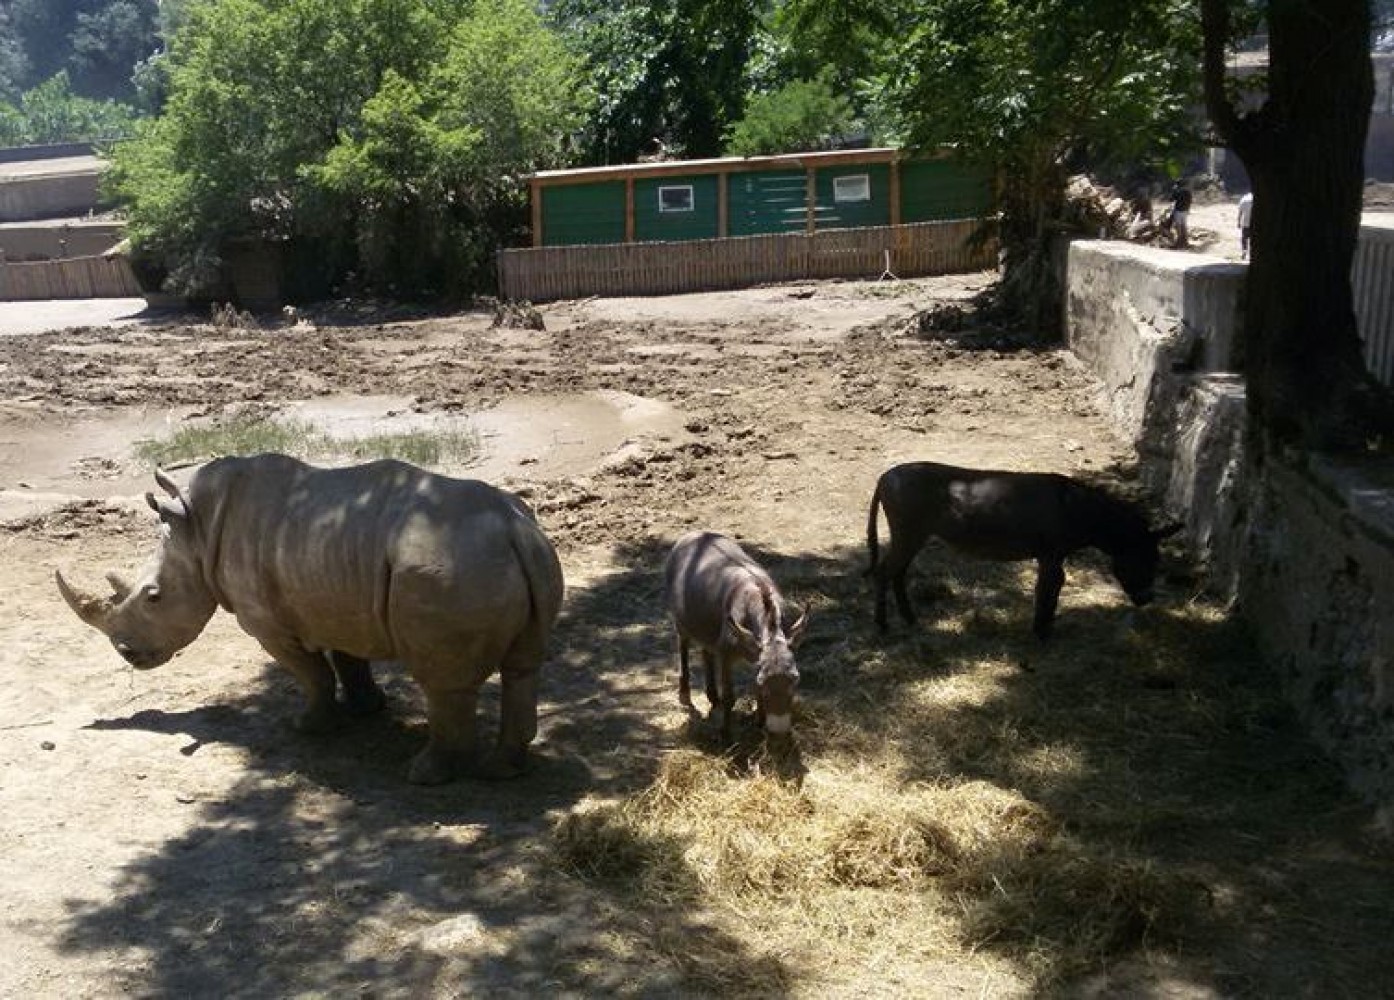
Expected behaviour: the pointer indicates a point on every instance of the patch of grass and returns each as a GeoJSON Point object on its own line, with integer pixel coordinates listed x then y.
{"type": "Point", "coordinates": [425, 448]}
{"type": "Point", "coordinates": [254, 433]}
{"type": "Point", "coordinates": [239, 434]}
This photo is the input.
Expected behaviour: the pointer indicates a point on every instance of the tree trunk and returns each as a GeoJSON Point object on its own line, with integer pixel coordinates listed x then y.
{"type": "Point", "coordinates": [1304, 151]}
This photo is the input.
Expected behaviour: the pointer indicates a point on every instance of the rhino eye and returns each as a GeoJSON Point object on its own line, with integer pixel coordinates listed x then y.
{"type": "Point", "coordinates": [152, 594]}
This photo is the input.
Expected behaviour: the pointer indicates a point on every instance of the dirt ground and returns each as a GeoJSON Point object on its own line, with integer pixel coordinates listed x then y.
{"type": "Point", "coordinates": [166, 833]}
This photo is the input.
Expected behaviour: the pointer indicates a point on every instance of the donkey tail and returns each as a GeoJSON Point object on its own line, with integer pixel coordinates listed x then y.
{"type": "Point", "coordinates": [873, 544]}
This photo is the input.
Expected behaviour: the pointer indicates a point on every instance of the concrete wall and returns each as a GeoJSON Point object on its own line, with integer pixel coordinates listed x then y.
{"type": "Point", "coordinates": [48, 196]}
{"type": "Point", "coordinates": [39, 241]}
{"type": "Point", "coordinates": [1306, 548]}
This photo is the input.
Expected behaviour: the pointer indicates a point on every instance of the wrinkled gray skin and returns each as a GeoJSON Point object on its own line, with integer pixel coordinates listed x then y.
{"type": "Point", "coordinates": [331, 568]}
{"type": "Point", "coordinates": [725, 603]}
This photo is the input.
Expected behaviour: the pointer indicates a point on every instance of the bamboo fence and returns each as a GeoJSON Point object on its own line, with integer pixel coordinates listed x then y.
{"type": "Point", "coordinates": [906, 251]}
{"type": "Point", "coordinates": [104, 277]}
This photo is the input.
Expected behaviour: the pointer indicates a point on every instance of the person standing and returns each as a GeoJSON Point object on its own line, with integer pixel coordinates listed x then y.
{"type": "Point", "coordinates": [1245, 218]}
{"type": "Point", "coordinates": [1180, 212]}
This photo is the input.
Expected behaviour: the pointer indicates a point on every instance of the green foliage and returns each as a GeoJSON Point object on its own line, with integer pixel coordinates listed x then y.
{"type": "Point", "coordinates": [96, 42]}
{"type": "Point", "coordinates": [51, 112]}
{"type": "Point", "coordinates": [672, 71]}
{"type": "Point", "coordinates": [1034, 90]}
{"type": "Point", "coordinates": [801, 115]}
{"type": "Point", "coordinates": [382, 137]}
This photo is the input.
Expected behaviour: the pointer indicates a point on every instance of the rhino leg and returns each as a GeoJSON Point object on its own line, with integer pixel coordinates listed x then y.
{"type": "Point", "coordinates": [518, 676]}
{"type": "Point", "coordinates": [450, 714]}
{"type": "Point", "coordinates": [316, 679]}
{"type": "Point", "coordinates": [362, 696]}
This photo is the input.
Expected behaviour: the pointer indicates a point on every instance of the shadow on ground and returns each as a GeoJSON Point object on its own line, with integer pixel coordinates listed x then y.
{"type": "Point", "coordinates": [1191, 813]}
{"type": "Point", "coordinates": [321, 869]}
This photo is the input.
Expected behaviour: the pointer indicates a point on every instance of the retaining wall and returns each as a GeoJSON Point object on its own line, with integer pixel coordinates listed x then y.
{"type": "Point", "coordinates": [1304, 547]}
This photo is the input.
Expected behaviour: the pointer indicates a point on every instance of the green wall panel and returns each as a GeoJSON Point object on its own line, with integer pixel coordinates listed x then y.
{"type": "Point", "coordinates": [698, 224]}
{"type": "Point", "coordinates": [833, 214]}
{"type": "Point", "coordinates": [583, 213]}
{"type": "Point", "coordinates": [767, 201]}
{"type": "Point", "coordinates": [943, 189]}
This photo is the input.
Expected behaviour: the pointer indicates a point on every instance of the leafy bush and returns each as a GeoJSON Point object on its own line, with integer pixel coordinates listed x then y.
{"type": "Point", "coordinates": [801, 115]}
{"type": "Point", "coordinates": [384, 139]}
{"type": "Point", "coordinates": [51, 112]}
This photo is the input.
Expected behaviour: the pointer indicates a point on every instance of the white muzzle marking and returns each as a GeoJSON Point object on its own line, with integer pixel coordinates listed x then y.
{"type": "Point", "coordinates": [778, 724]}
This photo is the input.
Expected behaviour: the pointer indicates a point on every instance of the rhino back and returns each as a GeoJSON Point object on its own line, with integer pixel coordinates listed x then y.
{"type": "Point", "coordinates": [382, 560]}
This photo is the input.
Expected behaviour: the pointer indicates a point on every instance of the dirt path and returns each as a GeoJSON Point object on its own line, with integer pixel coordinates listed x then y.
{"type": "Point", "coordinates": [166, 834]}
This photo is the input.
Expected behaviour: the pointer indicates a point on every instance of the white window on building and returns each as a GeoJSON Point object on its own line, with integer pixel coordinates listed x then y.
{"type": "Point", "coordinates": [675, 198]}
{"type": "Point", "coordinates": [854, 187]}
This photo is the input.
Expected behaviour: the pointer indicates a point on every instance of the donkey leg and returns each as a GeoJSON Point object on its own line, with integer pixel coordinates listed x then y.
{"type": "Point", "coordinates": [1050, 577]}
{"type": "Point", "coordinates": [905, 545]}
{"type": "Point", "coordinates": [728, 699]}
{"type": "Point", "coordinates": [684, 676]}
{"type": "Point", "coordinates": [709, 674]}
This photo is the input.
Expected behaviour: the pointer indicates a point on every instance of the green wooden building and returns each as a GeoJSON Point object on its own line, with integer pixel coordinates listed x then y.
{"type": "Point", "coordinates": [674, 201]}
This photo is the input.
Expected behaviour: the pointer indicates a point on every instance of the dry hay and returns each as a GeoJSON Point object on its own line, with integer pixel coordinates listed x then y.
{"type": "Point", "coordinates": [996, 815]}
{"type": "Point", "coordinates": [850, 860]}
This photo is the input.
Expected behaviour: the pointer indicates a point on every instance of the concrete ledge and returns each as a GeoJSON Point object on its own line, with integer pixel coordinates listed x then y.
{"type": "Point", "coordinates": [1318, 591]}
{"type": "Point", "coordinates": [1134, 314]}
{"type": "Point", "coordinates": [1305, 548]}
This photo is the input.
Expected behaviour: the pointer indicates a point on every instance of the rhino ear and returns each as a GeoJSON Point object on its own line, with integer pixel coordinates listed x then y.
{"type": "Point", "coordinates": [169, 510]}
{"type": "Point", "coordinates": [92, 610]}
{"type": "Point", "coordinates": [120, 589]}
{"type": "Point", "coordinates": [165, 483]}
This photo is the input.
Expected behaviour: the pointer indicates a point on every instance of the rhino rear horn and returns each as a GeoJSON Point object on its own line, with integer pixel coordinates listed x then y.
{"type": "Point", "coordinates": [92, 610]}
{"type": "Point", "coordinates": [120, 589]}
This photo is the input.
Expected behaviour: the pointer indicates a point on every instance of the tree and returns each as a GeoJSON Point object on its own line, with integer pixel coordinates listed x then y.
{"type": "Point", "coordinates": [672, 71]}
{"type": "Point", "coordinates": [381, 137]}
{"type": "Point", "coordinates": [1030, 90]}
{"type": "Point", "coordinates": [51, 112]}
{"type": "Point", "coordinates": [1303, 147]}
{"type": "Point", "coordinates": [801, 115]}
{"type": "Point", "coordinates": [14, 66]}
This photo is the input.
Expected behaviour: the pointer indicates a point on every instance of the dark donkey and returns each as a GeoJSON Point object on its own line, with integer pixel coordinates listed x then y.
{"type": "Point", "coordinates": [1008, 515]}
{"type": "Point", "coordinates": [724, 601]}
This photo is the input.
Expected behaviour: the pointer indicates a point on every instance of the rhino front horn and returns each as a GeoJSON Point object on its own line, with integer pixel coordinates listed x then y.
{"type": "Point", "coordinates": [92, 610]}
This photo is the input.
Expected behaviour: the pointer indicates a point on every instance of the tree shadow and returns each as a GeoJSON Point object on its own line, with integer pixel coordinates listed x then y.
{"type": "Point", "coordinates": [322, 870]}
{"type": "Point", "coordinates": [1185, 812]}
{"type": "Point", "coordinates": [1189, 810]}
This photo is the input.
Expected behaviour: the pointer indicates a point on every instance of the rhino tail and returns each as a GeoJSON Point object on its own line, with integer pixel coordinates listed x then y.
{"type": "Point", "coordinates": [873, 544]}
{"type": "Point", "coordinates": [542, 574]}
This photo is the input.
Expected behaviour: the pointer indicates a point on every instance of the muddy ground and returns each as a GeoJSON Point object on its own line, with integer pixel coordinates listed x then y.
{"type": "Point", "coordinates": [167, 834]}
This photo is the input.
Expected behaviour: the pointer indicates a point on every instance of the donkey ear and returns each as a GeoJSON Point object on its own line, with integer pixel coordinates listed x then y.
{"type": "Point", "coordinates": [746, 640]}
{"type": "Point", "coordinates": [1167, 530]}
{"type": "Point", "coordinates": [793, 634]}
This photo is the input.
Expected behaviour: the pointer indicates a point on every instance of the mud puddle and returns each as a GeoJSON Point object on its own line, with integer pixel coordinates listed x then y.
{"type": "Point", "coordinates": [532, 437]}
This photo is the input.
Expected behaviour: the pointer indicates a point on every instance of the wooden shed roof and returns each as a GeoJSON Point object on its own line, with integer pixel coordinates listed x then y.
{"type": "Point", "coordinates": [722, 165]}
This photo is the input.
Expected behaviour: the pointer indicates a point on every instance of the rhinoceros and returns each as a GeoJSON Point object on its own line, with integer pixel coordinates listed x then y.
{"type": "Point", "coordinates": [331, 568]}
